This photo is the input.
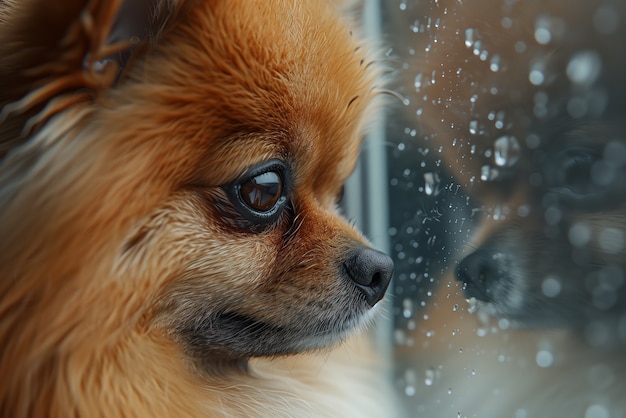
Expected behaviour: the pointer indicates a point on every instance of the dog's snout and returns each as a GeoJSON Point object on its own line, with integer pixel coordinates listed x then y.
{"type": "Point", "coordinates": [371, 271]}
{"type": "Point", "coordinates": [479, 271]}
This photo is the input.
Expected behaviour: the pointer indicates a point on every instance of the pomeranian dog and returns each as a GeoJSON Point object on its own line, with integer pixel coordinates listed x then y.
{"type": "Point", "coordinates": [525, 104]}
{"type": "Point", "coordinates": [169, 182]}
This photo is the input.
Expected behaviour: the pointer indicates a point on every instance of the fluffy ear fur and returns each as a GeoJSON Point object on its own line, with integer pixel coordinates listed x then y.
{"type": "Point", "coordinates": [53, 55]}
{"type": "Point", "coordinates": [79, 46]}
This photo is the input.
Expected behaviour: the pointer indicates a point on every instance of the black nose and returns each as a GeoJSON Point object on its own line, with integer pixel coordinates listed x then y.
{"type": "Point", "coordinates": [479, 272]}
{"type": "Point", "coordinates": [371, 271]}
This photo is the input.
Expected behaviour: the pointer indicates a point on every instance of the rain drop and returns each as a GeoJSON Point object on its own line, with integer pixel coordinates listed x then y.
{"type": "Point", "coordinates": [579, 234]}
{"type": "Point", "coordinates": [584, 67]}
{"type": "Point", "coordinates": [597, 411]}
{"type": "Point", "coordinates": [551, 286]}
{"type": "Point", "coordinates": [494, 63]}
{"type": "Point", "coordinates": [536, 77]}
{"type": "Point", "coordinates": [544, 358]}
{"type": "Point", "coordinates": [430, 376]}
{"type": "Point", "coordinates": [543, 35]}
{"type": "Point", "coordinates": [418, 81]}
{"type": "Point", "coordinates": [488, 173]}
{"type": "Point", "coordinates": [469, 37]}
{"type": "Point", "coordinates": [544, 28]}
{"type": "Point", "coordinates": [506, 151]}
{"type": "Point", "coordinates": [431, 182]}
{"type": "Point", "coordinates": [407, 308]}
{"type": "Point", "coordinates": [473, 127]}
{"type": "Point", "coordinates": [477, 45]}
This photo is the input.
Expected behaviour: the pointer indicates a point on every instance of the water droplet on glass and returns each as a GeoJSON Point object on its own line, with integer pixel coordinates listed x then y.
{"type": "Point", "coordinates": [431, 183]}
{"type": "Point", "coordinates": [544, 358]}
{"type": "Point", "coordinates": [482, 332]}
{"type": "Point", "coordinates": [553, 215]}
{"type": "Point", "coordinates": [399, 337]}
{"type": "Point", "coordinates": [494, 63]}
{"type": "Point", "coordinates": [584, 67]}
{"type": "Point", "coordinates": [473, 127]}
{"type": "Point", "coordinates": [543, 34]}
{"type": "Point", "coordinates": [429, 376]}
{"type": "Point", "coordinates": [407, 308]}
{"type": "Point", "coordinates": [597, 411]}
{"type": "Point", "coordinates": [472, 307]}
{"type": "Point", "coordinates": [418, 81]}
{"type": "Point", "coordinates": [477, 47]}
{"type": "Point", "coordinates": [579, 234]}
{"type": "Point", "coordinates": [488, 173]}
{"type": "Point", "coordinates": [507, 151]}
{"type": "Point", "coordinates": [536, 77]}
{"type": "Point", "coordinates": [469, 37]}
{"type": "Point", "coordinates": [551, 286]}
{"type": "Point", "coordinates": [415, 27]}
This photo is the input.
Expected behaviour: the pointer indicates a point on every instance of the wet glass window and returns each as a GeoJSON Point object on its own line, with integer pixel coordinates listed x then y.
{"type": "Point", "coordinates": [506, 183]}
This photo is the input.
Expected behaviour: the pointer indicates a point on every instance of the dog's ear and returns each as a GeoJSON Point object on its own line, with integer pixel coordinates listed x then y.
{"type": "Point", "coordinates": [56, 54]}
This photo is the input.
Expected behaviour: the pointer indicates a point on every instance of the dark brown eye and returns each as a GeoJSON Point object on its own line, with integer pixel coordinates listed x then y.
{"type": "Point", "coordinates": [261, 193]}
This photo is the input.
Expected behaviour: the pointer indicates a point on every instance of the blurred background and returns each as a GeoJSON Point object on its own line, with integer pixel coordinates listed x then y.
{"type": "Point", "coordinates": [497, 181]}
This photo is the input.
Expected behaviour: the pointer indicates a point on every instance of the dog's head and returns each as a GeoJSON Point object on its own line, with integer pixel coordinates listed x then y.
{"type": "Point", "coordinates": [524, 102]}
{"type": "Point", "coordinates": [179, 174]}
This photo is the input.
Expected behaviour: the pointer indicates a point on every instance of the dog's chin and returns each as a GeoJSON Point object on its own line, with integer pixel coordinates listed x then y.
{"type": "Point", "coordinates": [233, 336]}
{"type": "Point", "coordinates": [541, 316]}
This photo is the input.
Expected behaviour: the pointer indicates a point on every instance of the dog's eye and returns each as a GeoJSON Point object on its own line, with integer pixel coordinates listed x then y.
{"type": "Point", "coordinates": [573, 172]}
{"type": "Point", "coordinates": [261, 193]}
{"type": "Point", "coordinates": [582, 179]}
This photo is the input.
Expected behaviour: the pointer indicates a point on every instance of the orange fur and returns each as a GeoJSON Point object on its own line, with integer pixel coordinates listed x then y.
{"type": "Point", "coordinates": [114, 235]}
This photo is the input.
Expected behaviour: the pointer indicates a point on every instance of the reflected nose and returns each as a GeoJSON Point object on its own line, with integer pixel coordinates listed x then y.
{"type": "Point", "coordinates": [371, 272]}
{"type": "Point", "coordinates": [479, 272]}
